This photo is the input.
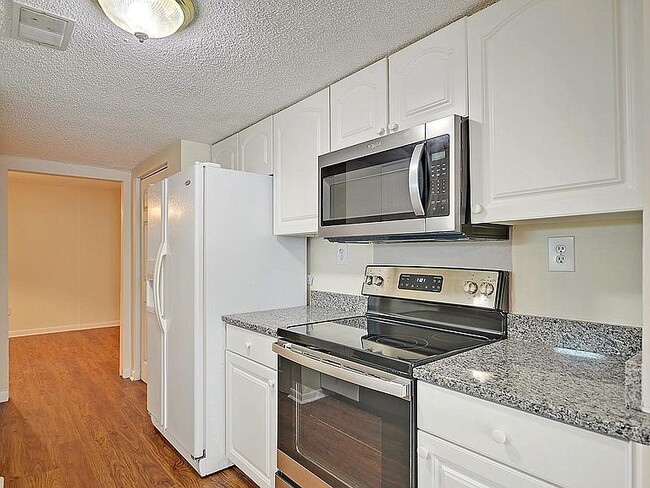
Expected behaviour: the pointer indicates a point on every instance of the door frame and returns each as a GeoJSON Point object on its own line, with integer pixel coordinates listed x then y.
{"type": "Point", "coordinates": [18, 163]}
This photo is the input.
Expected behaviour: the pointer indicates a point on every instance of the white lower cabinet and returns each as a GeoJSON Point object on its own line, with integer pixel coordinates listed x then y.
{"type": "Point", "coordinates": [468, 442]}
{"type": "Point", "coordinates": [251, 415]}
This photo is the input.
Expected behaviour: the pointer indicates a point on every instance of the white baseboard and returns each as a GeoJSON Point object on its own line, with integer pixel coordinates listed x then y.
{"type": "Point", "coordinates": [63, 328]}
{"type": "Point", "coordinates": [4, 396]}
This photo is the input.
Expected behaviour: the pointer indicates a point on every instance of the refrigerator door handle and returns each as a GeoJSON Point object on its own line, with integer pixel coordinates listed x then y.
{"type": "Point", "coordinates": [162, 252]}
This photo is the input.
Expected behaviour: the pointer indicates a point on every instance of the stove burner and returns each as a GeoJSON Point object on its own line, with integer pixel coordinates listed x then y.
{"type": "Point", "coordinates": [401, 342]}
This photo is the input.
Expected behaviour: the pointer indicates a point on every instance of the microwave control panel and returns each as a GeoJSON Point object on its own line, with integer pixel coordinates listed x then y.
{"type": "Point", "coordinates": [437, 155]}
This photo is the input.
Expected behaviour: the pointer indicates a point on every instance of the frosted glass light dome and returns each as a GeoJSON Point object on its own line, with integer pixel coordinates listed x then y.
{"type": "Point", "coordinates": [149, 18]}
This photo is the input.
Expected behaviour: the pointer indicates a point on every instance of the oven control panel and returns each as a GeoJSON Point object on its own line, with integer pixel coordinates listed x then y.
{"type": "Point", "coordinates": [457, 286]}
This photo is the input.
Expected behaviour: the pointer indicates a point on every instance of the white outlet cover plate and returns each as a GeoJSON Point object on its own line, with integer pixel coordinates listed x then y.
{"type": "Point", "coordinates": [566, 261]}
{"type": "Point", "coordinates": [342, 254]}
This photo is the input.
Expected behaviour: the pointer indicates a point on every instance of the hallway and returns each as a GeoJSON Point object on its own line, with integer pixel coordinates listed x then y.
{"type": "Point", "coordinates": [73, 422]}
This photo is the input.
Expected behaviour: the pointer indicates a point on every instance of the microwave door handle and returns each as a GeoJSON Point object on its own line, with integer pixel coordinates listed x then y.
{"type": "Point", "coordinates": [414, 180]}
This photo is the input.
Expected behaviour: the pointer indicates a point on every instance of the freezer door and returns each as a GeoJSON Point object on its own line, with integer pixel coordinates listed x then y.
{"type": "Point", "coordinates": [156, 216]}
{"type": "Point", "coordinates": [183, 302]}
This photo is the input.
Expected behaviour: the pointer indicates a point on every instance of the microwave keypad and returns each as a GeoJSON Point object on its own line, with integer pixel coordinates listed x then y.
{"type": "Point", "coordinates": [439, 189]}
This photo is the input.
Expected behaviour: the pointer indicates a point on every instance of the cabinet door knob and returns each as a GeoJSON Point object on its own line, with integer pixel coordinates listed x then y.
{"type": "Point", "coordinates": [393, 127]}
{"type": "Point", "coordinates": [477, 208]}
{"type": "Point", "coordinates": [381, 131]}
{"type": "Point", "coordinates": [499, 436]}
{"type": "Point", "coordinates": [423, 452]}
{"type": "Point", "coordinates": [271, 383]}
{"type": "Point", "coordinates": [247, 345]}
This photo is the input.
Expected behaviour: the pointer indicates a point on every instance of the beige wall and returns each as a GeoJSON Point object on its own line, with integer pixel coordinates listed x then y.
{"type": "Point", "coordinates": [64, 253]}
{"type": "Point", "coordinates": [606, 286]}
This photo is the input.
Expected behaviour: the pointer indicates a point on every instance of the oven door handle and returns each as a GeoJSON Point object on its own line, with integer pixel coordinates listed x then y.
{"type": "Point", "coordinates": [345, 370]}
{"type": "Point", "coordinates": [414, 180]}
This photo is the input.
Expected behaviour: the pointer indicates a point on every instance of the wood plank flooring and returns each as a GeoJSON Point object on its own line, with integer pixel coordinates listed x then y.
{"type": "Point", "coordinates": [72, 422]}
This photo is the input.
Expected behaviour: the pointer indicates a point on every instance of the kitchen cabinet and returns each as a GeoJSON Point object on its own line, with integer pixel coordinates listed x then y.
{"type": "Point", "coordinates": [301, 134]}
{"type": "Point", "coordinates": [428, 79]}
{"type": "Point", "coordinates": [422, 82]}
{"type": "Point", "coordinates": [466, 441]}
{"type": "Point", "coordinates": [554, 118]}
{"type": "Point", "coordinates": [225, 152]}
{"type": "Point", "coordinates": [359, 106]}
{"type": "Point", "coordinates": [251, 404]}
{"type": "Point", "coordinates": [255, 153]}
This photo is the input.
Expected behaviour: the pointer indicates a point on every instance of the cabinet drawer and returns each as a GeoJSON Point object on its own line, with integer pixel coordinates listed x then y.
{"type": "Point", "coordinates": [252, 345]}
{"type": "Point", "coordinates": [564, 455]}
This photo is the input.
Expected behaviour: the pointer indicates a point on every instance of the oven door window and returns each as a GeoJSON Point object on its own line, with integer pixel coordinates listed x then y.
{"type": "Point", "coordinates": [368, 189]}
{"type": "Point", "coordinates": [345, 434]}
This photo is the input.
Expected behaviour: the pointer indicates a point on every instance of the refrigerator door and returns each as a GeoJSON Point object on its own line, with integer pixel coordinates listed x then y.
{"type": "Point", "coordinates": [156, 217]}
{"type": "Point", "coordinates": [183, 311]}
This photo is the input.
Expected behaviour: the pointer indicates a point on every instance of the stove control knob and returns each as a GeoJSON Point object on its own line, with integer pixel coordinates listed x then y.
{"type": "Point", "coordinates": [368, 280]}
{"type": "Point", "coordinates": [470, 287]}
{"type": "Point", "coordinates": [486, 288]}
{"type": "Point", "coordinates": [379, 280]}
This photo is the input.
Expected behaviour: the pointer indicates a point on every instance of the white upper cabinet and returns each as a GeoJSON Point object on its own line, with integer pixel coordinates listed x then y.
{"type": "Point", "coordinates": [359, 106]}
{"type": "Point", "coordinates": [225, 152]}
{"type": "Point", "coordinates": [553, 109]}
{"type": "Point", "coordinates": [301, 134]}
{"type": "Point", "coordinates": [428, 79]}
{"type": "Point", "coordinates": [255, 153]}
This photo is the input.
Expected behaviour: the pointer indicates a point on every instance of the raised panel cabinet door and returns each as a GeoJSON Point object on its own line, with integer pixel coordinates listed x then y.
{"type": "Point", "coordinates": [359, 106]}
{"type": "Point", "coordinates": [225, 152]}
{"type": "Point", "coordinates": [428, 79]}
{"type": "Point", "coordinates": [301, 134]}
{"type": "Point", "coordinates": [251, 424]}
{"type": "Point", "coordinates": [553, 116]}
{"type": "Point", "coordinates": [255, 153]}
{"type": "Point", "coordinates": [442, 464]}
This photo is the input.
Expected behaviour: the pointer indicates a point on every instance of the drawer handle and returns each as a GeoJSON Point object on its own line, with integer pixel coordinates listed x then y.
{"type": "Point", "coordinates": [499, 436]}
{"type": "Point", "coordinates": [423, 452]}
{"type": "Point", "coordinates": [271, 383]}
{"type": "Point", "coordinates": [247, 345]}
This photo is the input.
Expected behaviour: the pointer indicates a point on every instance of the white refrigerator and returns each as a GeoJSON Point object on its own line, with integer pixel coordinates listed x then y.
{"type": "Point", "coordinates": [211, 252]}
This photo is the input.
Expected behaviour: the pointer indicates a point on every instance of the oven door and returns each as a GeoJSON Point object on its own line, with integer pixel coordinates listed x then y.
{"type": "Point", "coordinates": [340, 424]}
{"type": "Point", "coordinates": [374, 188]}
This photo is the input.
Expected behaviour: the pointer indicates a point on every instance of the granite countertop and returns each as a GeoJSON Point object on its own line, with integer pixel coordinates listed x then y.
{"type": "Point", "coordinates": [579, 388]}
{"type": "Point", "coordinates": [268, 321]}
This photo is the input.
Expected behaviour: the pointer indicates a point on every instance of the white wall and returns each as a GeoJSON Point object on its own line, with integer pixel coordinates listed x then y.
{"type": "Point", "coordinates": [17, 163]}
{"type": "Point", "coordinates": [606, 286]}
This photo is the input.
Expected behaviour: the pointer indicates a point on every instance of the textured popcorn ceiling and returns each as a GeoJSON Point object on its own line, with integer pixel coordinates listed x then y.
{"type": "Point", "coordinates": [111, 101]}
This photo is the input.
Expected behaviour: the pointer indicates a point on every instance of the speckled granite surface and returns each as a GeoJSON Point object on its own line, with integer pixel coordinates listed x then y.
{"type": "Point", "coordinates": [355, 304]}
{"type": "Point", "coordinates": [633, 382]}
{"type": "Point", "coordinates": [607, 339]}
{"type": "Point", "coordinates": [586, 390]}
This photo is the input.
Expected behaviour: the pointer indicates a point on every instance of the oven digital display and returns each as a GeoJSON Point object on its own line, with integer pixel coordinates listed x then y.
{"type": "Point", "coordinates": [420, 282]}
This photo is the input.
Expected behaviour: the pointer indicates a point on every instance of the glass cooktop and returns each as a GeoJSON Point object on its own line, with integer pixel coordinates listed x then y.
{"type": "Point", "coordinates": [395, 347]}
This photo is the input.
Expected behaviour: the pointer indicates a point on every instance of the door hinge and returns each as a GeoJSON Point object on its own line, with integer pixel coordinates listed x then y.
{"type": "Point", "coordinates": [200, 457]}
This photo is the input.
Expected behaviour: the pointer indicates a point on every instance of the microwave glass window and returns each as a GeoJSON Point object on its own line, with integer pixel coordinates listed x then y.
{"type": "Point", "coordinates": [368, 189]}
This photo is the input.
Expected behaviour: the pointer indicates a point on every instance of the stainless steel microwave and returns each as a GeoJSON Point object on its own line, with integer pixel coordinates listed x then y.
{"type": "Point", "coordinates": [406, 186]}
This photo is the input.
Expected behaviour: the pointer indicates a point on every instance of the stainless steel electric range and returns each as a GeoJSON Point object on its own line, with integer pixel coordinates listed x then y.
{"type": "Point", "coordinates": [346, 396]}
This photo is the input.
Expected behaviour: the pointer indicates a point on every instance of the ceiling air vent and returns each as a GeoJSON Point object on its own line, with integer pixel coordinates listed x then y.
{"type": "Point", "coordinates": [34, 25]}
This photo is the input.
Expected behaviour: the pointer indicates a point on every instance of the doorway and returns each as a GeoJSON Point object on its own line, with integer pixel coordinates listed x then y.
{"type": "Point", "coordinates": [64, 243]}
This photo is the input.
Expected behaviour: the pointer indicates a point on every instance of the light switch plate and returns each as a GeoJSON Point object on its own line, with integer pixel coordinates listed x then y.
{"type": "Point", "coordinates": [561, 253]}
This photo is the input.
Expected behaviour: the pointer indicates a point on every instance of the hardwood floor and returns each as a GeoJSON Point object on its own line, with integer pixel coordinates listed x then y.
{"type": "Point", "coordinates": [71, 421]}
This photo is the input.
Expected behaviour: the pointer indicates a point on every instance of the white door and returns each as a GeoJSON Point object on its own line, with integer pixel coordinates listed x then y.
{"type": "Point", "coordinates": [554, 118]}
{"type": "Point", "coordinates": [183, 310]}
{"type": "Point", "coordinates": [255, 154]}
{"type": "Point", "coordinates": [445, 465]}
{"type": "Point", "coordinates": [155, 343]}
{"type": "Point", "coordinates": [359, 106]}
{"type": "Point", "coordinates": [251, 429]}
{"type": "Point", "coordinates": [301, 134]}
{"type": "Point", "coordinates": [428, 79]}
{"type": "Point", "coordinates": [225, 152]}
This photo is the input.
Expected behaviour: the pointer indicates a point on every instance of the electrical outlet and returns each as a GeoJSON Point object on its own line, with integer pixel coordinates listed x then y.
{"type": "Point", "coordinates": [561, 253]}
{"type": "Point", "coordinates": [342, 254]}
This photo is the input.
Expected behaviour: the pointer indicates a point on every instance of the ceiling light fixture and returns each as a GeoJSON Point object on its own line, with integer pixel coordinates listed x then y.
{"type": "Point", "coordinates": [149, 18]}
